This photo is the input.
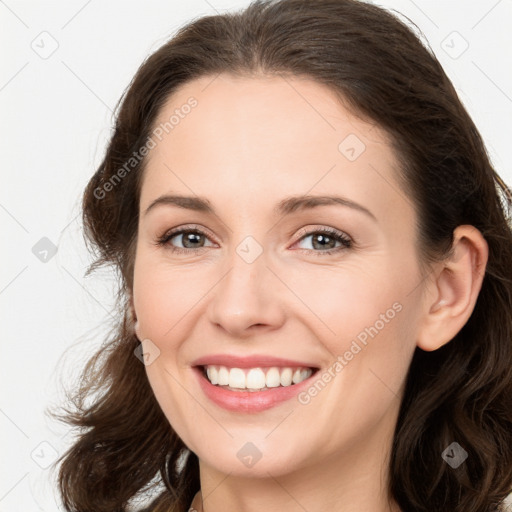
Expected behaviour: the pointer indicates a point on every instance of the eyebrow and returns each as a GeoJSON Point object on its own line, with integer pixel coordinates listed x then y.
{"type": "Point", "coordinates": [284, 207]}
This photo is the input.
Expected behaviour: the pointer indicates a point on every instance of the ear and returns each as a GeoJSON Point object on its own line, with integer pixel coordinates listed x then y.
{"type": "Point", "coordinates": [134, 315]}
{"type": "Point", "coordinates": [454, 288]}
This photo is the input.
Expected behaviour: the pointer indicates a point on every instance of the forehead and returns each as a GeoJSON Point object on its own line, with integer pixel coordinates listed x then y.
{"type": "Point", "coordinates": [267, 137]}
{"type": "Point", "coordinates": [262, 105]}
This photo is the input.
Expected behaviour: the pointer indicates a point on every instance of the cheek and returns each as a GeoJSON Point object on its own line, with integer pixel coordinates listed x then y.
{"type": "Point", "coordinates": [162, 296]}
{"type": "Point", "coordinates": [365, 316]}
{"type": "Point", "coordinates": [343, 301]}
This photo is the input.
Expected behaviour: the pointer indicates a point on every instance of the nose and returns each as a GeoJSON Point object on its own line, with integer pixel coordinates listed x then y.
{"type": "Point", "coordinates": [248, 298]}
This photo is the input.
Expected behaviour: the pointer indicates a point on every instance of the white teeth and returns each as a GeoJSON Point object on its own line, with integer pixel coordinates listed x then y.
{"type": "Point", "coordinates": [273, 378]}
{"type": "Point", "coordinates": [286, 376]}
{"type": "Point", "coordinates": [222, 375]}
{"type": "Point", "coordinates": [213, 374]}
{"type": "Point", "coordinates": [300, 375]}
{"type": "Point", "coordinates": [236, 378]}
{"type": "Point", "coordinates": [256, 378]}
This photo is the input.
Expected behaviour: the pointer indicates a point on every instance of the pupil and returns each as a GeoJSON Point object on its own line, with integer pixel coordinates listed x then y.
{"type": "Point", "coordinates": [323, 238]}
{"type": "Point", "coordinates": [190, 238]}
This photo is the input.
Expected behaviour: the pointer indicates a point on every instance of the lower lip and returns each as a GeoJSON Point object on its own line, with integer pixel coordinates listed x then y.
{"type": "Point", "coordinates": [249, 401]}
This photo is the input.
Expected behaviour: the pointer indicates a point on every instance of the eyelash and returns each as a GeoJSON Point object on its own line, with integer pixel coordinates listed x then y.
{"type": "Point", "coordinates": [338, 236]}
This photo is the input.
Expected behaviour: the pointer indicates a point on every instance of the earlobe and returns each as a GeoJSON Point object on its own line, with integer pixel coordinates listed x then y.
{"type": "Point", "coordinates": [454, 291]}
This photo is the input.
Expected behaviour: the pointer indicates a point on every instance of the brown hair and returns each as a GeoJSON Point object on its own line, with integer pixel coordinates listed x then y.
{"type": "Point", "coordinates": [461, 392]}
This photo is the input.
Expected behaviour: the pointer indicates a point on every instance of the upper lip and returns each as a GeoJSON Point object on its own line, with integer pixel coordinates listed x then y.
{"type": "Point", "coordinates": [253, 361]}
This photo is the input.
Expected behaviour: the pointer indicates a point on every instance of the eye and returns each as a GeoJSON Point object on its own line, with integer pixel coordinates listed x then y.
{"type": "Point", "coordinates": [326, 239]}
{"type": "Point", "coordinates": [190, 239]}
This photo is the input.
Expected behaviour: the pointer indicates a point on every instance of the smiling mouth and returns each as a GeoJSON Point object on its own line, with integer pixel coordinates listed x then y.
{"type": "Point", "coordinates": [255, 379]}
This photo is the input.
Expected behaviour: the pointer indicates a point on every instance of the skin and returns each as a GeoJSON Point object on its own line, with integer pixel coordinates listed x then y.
{"type": "Point", "coordinates": [248, 144]}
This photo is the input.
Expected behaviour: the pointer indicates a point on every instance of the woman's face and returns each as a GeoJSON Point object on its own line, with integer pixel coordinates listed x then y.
{"type": "Point", "coordinates": [252, 277]}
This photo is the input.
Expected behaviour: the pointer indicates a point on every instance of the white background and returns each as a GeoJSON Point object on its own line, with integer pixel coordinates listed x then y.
{"type": "Point", "coordinates": [56, 118]}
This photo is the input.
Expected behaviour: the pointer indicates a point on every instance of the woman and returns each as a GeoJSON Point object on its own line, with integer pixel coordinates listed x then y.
{"type": "Point", "coordinates": [316, 289]}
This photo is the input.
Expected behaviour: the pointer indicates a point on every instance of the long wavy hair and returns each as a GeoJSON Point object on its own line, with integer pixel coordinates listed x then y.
{"type": "Point", "coordinates": [376, 64]}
